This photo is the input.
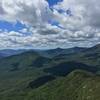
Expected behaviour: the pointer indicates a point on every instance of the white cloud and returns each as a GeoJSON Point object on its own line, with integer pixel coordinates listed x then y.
{"type": "Point", "coordinates": [81, 27]}
{"type": "Point", "coordinates": [24, 30]}
{"type": "Point", "coordinates": [27, 11]}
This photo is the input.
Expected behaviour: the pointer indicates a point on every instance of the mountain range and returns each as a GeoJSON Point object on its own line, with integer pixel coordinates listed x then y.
{"type": "Point", "coordinates": [56, 74]}
{"type": "Point", "coordinates": [45, 53]}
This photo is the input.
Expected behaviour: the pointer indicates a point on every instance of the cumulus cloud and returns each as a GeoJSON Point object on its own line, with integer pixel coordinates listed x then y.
{"type": "Point", "coordinates": [78, 23]}
{"type": "Point", "coordinates": [27, 11]}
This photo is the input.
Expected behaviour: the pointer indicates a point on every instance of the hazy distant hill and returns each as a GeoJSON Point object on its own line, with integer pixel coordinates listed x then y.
{"type": "Point", "coordinates": [60, 51]}
{"type": "Point", "coordinates": [45, 53]}
{"type": "Point", "coordinates": [10, 52]}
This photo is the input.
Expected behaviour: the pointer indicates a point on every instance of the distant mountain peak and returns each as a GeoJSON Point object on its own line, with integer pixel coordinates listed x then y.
{"type": "Point", "coordinates": [98, 45]}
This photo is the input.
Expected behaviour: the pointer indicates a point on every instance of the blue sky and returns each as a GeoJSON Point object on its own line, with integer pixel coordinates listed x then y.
{"type": "Point", "coordinates": [4, 25]}
{"type": "Point", "coordinates": [53, 2]}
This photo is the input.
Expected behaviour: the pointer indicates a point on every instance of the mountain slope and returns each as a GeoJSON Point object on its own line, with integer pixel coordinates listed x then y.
{"type": "Point", "coordinates": [78, 85]}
